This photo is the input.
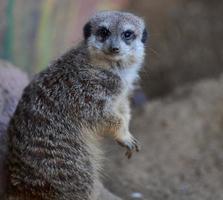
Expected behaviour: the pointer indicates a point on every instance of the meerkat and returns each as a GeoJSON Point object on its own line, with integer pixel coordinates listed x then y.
{"type": "Point", "coordinates": [54, 152]}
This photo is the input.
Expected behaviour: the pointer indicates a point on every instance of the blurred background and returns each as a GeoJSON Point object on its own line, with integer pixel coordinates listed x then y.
{"type": "Point", "coordinates": [179, 115]}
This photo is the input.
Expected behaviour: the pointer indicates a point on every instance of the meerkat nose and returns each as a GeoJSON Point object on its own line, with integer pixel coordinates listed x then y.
{"type": "Point", "coordinates": [115, 50]}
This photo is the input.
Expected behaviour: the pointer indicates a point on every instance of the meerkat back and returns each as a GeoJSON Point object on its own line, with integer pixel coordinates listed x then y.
{"type": "Point", "coordinates": [54, 152]}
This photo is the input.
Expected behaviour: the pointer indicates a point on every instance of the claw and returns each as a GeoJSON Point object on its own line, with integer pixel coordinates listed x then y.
{"type": "Point", "coordinates": [130, 145]}
{"type": "Point", "coordinates": [129, 154]}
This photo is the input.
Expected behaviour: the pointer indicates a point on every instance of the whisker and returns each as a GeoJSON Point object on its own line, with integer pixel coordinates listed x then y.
{"type": "Point", "coordinates": [154, 51]}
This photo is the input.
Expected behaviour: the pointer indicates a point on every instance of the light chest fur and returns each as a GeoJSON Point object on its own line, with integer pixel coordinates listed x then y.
{"type": "Point", "coordinates": [129, 77]}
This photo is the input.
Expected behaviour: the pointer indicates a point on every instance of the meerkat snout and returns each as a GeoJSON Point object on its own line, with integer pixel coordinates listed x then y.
{"type": "Point", "coordinates": [113, 35]}
{"type": "Point", "coordinates": [115, 49]}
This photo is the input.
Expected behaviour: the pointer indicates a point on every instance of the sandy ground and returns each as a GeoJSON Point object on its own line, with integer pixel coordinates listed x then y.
{"type": "Point", "coordinates": [182, 142]}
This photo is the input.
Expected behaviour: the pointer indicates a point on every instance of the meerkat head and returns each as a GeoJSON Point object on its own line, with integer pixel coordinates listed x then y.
{"type": "Point", "coordinates": [116, 36]}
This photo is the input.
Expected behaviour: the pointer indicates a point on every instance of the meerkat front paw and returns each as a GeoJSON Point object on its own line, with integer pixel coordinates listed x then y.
{"type": "Point", "coordinates": [131, 145]}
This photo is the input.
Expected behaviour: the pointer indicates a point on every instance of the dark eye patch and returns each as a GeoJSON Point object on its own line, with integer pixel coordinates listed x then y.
{"type": "Point", "coordinates": [128, 35]}
{"type": "Point", "coordinates": [103, 33]}
{"type": "Point", "coordinates": [87, 30]}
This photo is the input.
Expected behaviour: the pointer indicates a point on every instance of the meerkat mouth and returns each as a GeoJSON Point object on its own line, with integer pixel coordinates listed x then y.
{"type": "Point", "coordinates": [113, 56]}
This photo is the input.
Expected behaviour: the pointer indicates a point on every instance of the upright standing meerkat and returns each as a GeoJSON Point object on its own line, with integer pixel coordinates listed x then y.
{"type": "Point", "coordinates": [53, 145]}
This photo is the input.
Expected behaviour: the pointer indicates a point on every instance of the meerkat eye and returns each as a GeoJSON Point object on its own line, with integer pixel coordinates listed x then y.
{"type": "Point", "coordinates": [128, 35]}
{"type": "Point", "coordinates": [103, 32]}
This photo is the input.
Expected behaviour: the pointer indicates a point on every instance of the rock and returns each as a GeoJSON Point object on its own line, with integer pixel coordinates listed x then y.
{"type": "Point", "coordinates": [182, 143]}
{"type": "Point", "coordinates": [12, 82]}
{"type": "Point", "coordinates": [136, 195]}
{"type": "Point", "coordinates": [177, 52]}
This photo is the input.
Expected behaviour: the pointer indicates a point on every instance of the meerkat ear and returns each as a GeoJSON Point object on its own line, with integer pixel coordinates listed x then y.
{"type": "Point", "coordinates": [144, 36]}
{"type": "Point", "coordinates": [87, 30]}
